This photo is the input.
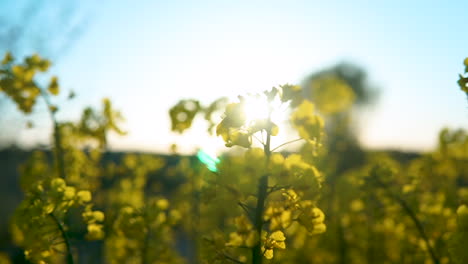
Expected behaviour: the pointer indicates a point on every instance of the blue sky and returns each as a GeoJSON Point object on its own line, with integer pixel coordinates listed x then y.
{"type": "Point", "coordinates": [146, 56]}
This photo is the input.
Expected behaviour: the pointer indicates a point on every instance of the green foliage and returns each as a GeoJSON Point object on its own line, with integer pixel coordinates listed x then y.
{"type": "Point", "coordinates": [328, 201]}
{"type": "Point", "coordinates": [144, 235]}
{"type": "Point", "coordinates": [331, 94]}
{"type": "Point", "coordinates": [274, 197]}
{"type": "Point", "coordinates": [462, 81]}
{"type": "Point", "coordinates": [38, 223]}
{"type": "Point", "coordinates": [53, 194]}
{"type": "Point", "coordinates": [183, 113]}
{"type": "Point", "coordinates": [460, 238]}
{"type": "Point", "coordinates": [347, 74]}
{"type": "Point", "coordinates": [17, 80]}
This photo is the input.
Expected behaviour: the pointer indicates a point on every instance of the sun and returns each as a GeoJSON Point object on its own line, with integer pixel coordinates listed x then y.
{"type": "Point", "coordinates": [257, 108]}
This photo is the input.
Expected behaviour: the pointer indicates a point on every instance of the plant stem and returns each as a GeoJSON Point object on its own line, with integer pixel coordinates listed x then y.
{"type": "Point", "coordinates": [232, 259]}
{"type": "Point", "coordinates": [419, 226]}
{"type": "Point", "coordinates": [60, 163]}
{"type": "Point", "coordinates": [59, 157]}
{"type": "Point", "coordinates": [59, 151]}
{"type": "Point", "coordinates": [287, 143]}
{"type": "Point", "coordinates": [261, 197]}
{"type": "Point", "coordinates": [334, 215]}
{"type": "Point", "coordinates": [69, 255]}
{"type": "Point", "coordinates": [196, 218]}
{"type": "Point", "coordinates": [407, 209]}
{"type": "Point", "coordinates": [144, 250]}
{"type": "Point", "coordinates": [262, 191]}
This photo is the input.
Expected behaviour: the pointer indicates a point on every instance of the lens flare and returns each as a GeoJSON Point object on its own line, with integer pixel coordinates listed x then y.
{"type": "Point", "coordinates": [209, 160]}
{"type": "Point", "coordinates": [257, 107]}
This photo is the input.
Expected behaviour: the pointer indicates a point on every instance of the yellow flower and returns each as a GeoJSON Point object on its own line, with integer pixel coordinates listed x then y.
{"type": "Point", "coordinates": [7, 59]}
{"type": "Point", "coordinates": [308, 124]}
{"type": "Point", "coordinates": [235, 115]}
{"type": "Point", "coordinates": [312, 218]}
{"type": "Point", "coordinates": [53, 86]}
{"type": "Point", "coordinates": [238, 138]}
{"type": "Point", "coordinates": [162, 204]}
{"type": "Point", "coordinates": [93, 216]}
{"type": "Point", "coordinates": [275, 240]}
{"type": "Point", "coordinates": [245, 235]}
{"type": "Point", "coordinates": [95, 232]}
{"type": "Point", "coordinates": [58, 184]}
{"type": "Point", "coordinates": [182, 114]}
{"type": "Point", "coordinates": [69, 193]}
{"type": "Point", "coordinates": [83, 196]}
{"type": "Point", "coordinates": [291, 93]}
{"type": "Point", "coordinates": [279, 217]}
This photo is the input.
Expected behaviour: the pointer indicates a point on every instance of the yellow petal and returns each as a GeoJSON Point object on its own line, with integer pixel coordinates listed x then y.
{"type": "Point", "coordinates": [268, 254]}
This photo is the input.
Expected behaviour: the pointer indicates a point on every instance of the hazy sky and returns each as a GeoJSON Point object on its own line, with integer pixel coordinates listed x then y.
{"type": "Point", "coordinates": [146, 55]}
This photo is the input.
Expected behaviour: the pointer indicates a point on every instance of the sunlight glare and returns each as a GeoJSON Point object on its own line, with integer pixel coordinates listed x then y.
{"type": "Point", "coordinates": [256, 107]}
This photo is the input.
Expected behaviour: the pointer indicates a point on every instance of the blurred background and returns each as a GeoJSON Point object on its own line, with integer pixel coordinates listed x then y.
{"type": "Point", "coordinates": [147, 56]}
{"type": "Point", "coordinates": [400, 58]}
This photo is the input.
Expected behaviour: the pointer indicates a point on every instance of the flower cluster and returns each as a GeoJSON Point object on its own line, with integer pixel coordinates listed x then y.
{"type": "Point", "coordinates": [17, 80]}
{"type": "Point", "coordinates": [39, 220]}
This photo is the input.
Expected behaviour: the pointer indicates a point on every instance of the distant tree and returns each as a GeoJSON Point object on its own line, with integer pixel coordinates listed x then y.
{"type": "Point", "coordinates": [348, 87]}
{"type": "Point", "coordinates": [337, 92]}
{"type": "Point", "coordinates": [354, 76]}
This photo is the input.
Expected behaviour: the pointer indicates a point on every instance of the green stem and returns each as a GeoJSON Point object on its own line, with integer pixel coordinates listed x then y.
{"type": "Point", "coordinates": [196, 218]}
{"type": "Point", "coordinates": [59, 151]}
{"type": "Point", "coordinates": [407, 209]}
{"type": "Point", "coordinates": [419, 226]}
{"type": "Point", "coordinates": [334, 211]}
{"type": "Point", "coordinates": [371, 237]}
{"type": "Point", "coordinates": [341, 242]}
{"type": "Point", "coordinates": [144, 250]}
{"type": "Point", "coordinates": [287, 143]}
{"type": "Point", "coordinates": [262, 194]}
{"type": "Point", "coordinates": [65, 238]}
{"type": "Point", "coordinates": [232, 259]}
{"type": "Point", "coordinates": [59, 157]}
